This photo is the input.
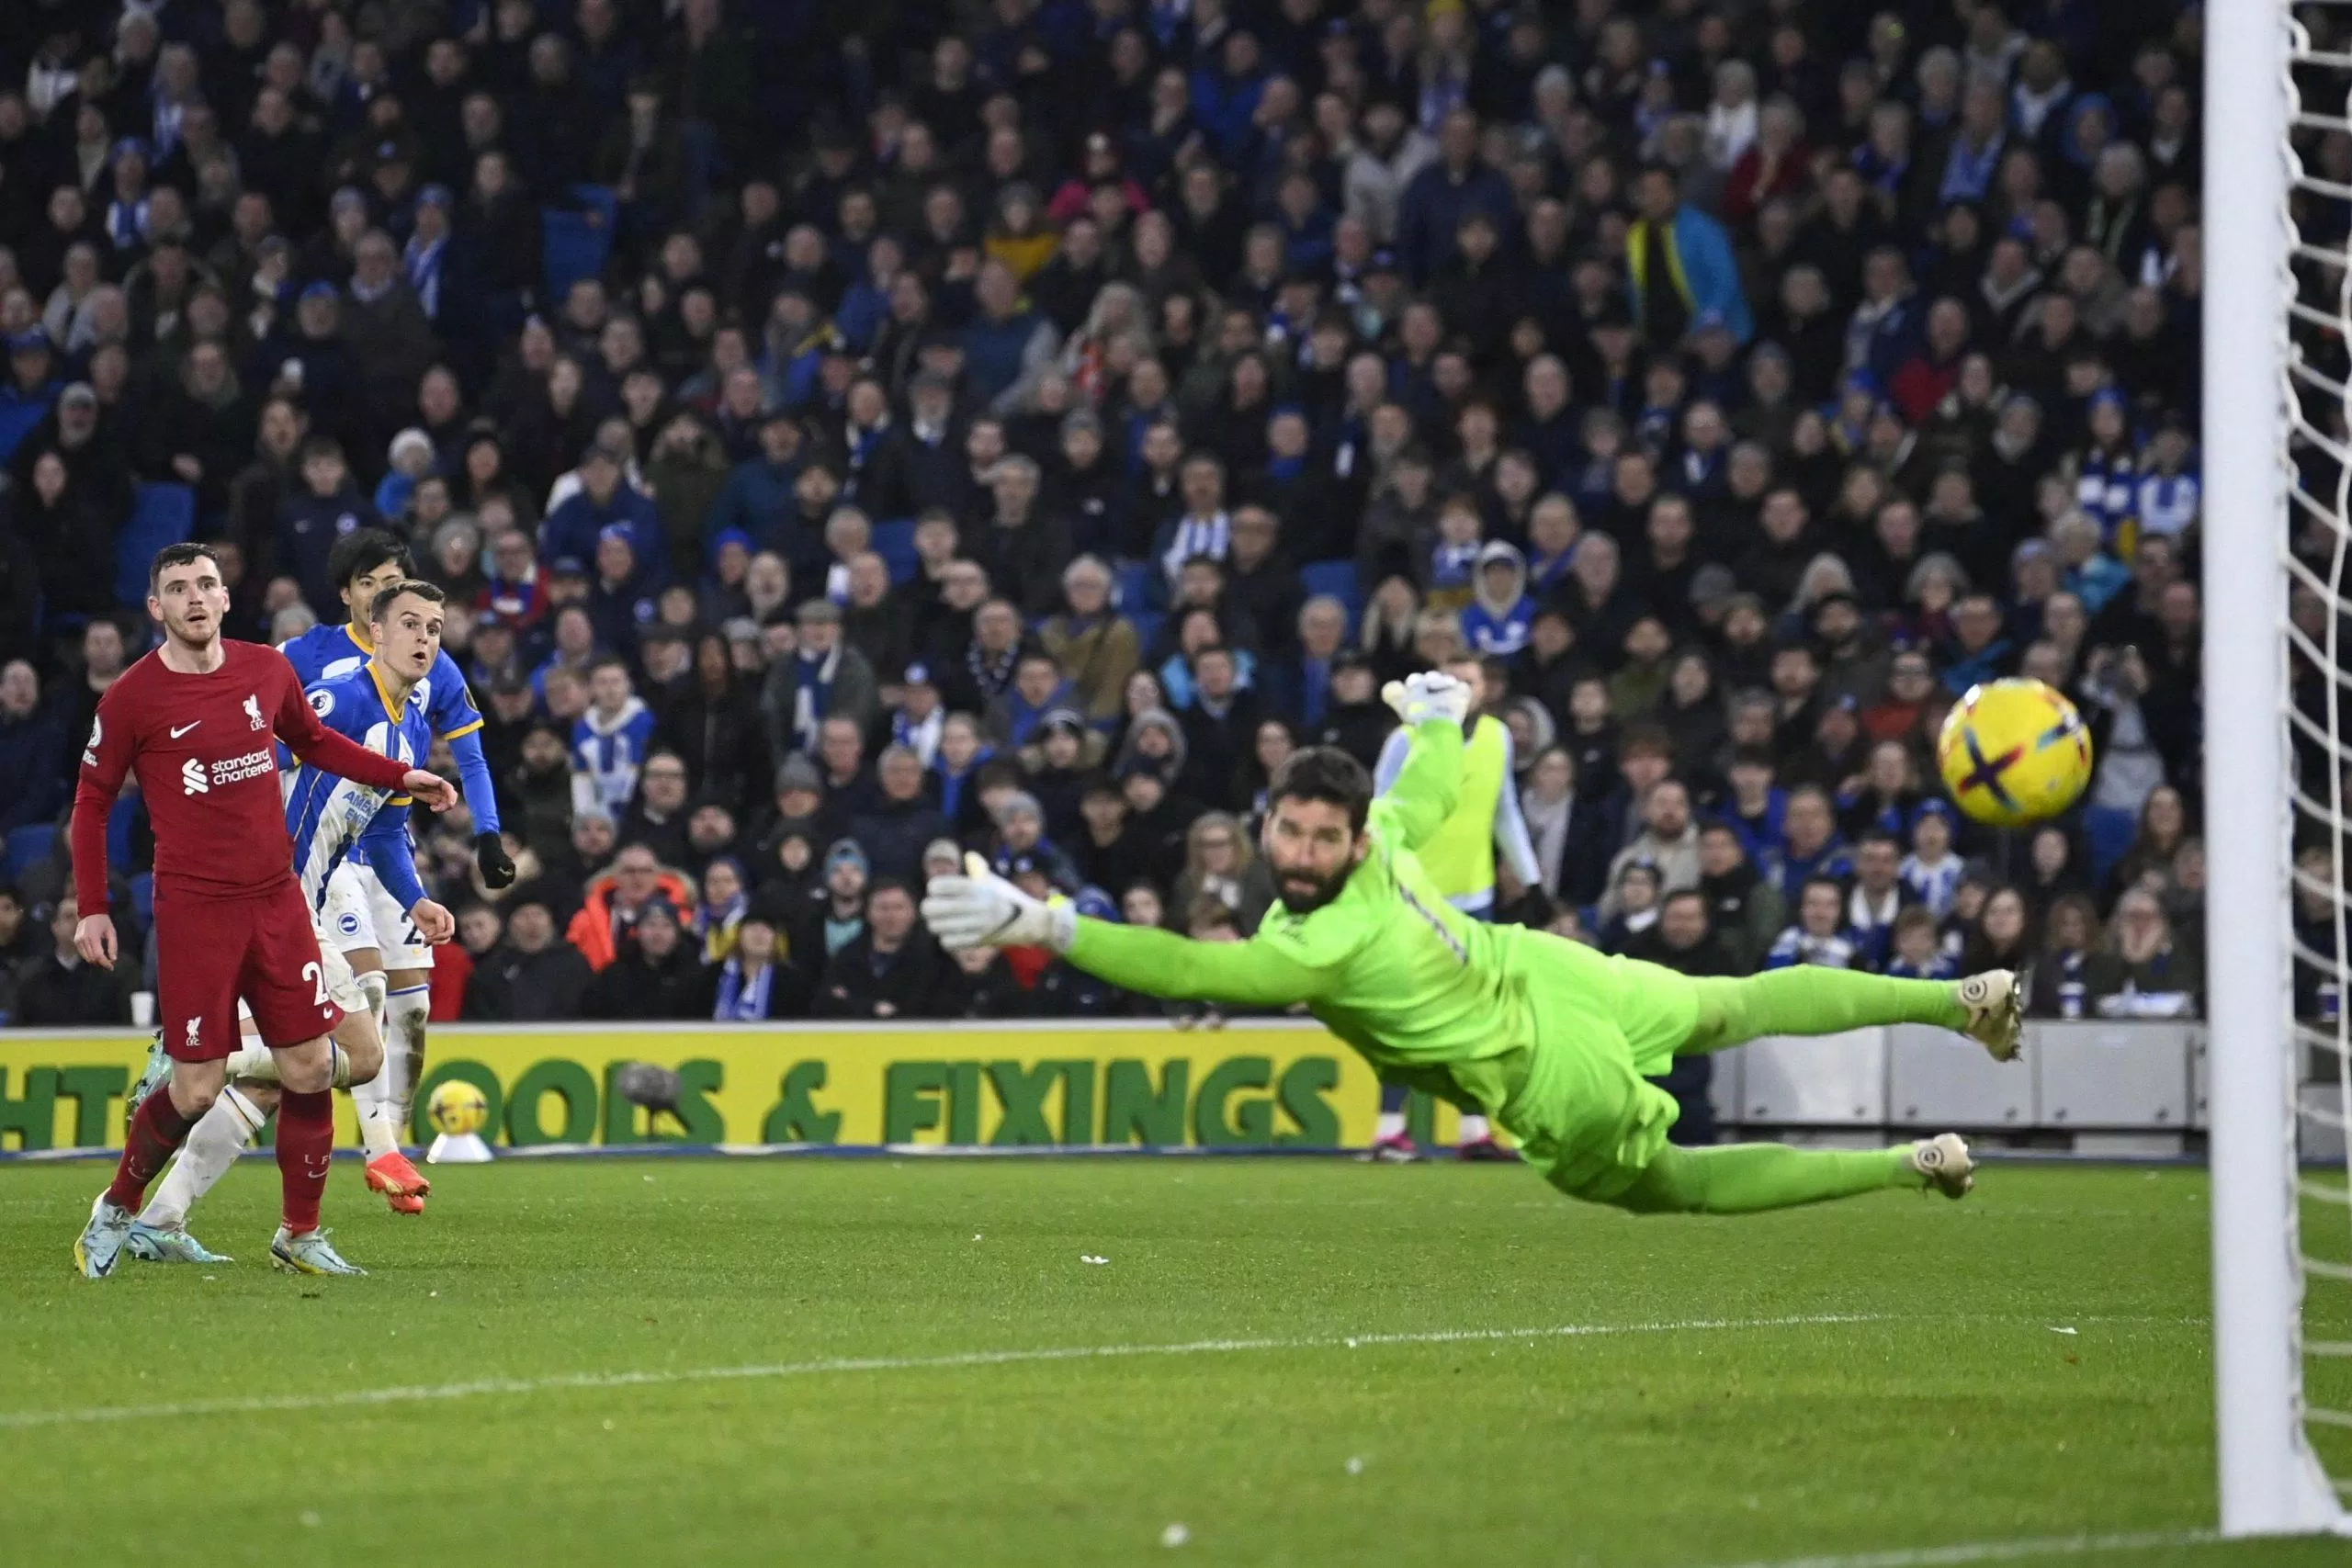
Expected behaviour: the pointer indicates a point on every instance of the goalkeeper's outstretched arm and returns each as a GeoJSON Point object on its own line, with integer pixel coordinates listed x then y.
{"type": "Point", "coordinates": [1415, 804]}
{"type": "Point", "coordinates": [1161, 964]}
{"type": "Point", "coordinates": [981, 909]}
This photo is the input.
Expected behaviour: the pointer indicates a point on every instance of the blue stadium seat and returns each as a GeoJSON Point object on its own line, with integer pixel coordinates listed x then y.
{"type": "Point", "coordinates": [1148, 622]}
{"type": "Point", "coordinates": [1135, 586]}
{"type": "Point", "coordinates": [28, 846]}
{"type": "Point", "coordinates": [1337, 579]}
{"type": "Point", "coordinates": [120, 821]}
{"type": "Point", "coordinates": [142, 898]}
{"type": "Point", "coordinates": [164, 514]}
{"type": "Point", "coordinates": [574, 245]}
{"type": "Point", "coordinates": [895, 542]}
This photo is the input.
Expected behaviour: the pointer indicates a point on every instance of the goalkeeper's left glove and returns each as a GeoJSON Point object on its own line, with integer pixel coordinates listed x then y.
{"type": "Point", "coordinates": [982, 909]}
{"type": "Point", "coordinates": [1433, 695]}
{"type": "Point", "coordinates": [497, 866]}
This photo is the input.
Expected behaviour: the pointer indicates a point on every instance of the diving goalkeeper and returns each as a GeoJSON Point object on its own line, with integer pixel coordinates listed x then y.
{"type": "Point", "coordinates": [1552, 1039]}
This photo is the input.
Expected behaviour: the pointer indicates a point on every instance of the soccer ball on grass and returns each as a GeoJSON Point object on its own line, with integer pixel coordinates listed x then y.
{"type": "Point", "coordinates": [2014, 753]}
{"type": "Point", "coordinates": [456, 1108]}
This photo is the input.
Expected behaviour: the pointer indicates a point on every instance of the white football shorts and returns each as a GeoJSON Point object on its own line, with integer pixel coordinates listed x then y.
{"type": "Point", "coordinates": [360, 913]}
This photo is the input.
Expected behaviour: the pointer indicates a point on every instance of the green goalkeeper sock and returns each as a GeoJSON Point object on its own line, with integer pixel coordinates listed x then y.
{"type": "Point", "coordinates": [1808, 999]}
{"type": "Point", "coordinates": [1743, 1179]}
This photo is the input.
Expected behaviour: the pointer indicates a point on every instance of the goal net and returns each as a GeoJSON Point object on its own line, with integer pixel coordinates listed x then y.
{"type": "Point", "coordinates": [2278, 563]}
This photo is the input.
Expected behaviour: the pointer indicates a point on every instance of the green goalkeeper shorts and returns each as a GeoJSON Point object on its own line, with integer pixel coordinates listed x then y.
{"type": "Point", "coordinates": [1587, 1115]}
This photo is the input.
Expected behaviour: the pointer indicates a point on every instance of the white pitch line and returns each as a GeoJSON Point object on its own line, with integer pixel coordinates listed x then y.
{"type": "Point", "coordinates": [19, 1420]}
{"type": "Point", "coordinates": [1999, 1551]}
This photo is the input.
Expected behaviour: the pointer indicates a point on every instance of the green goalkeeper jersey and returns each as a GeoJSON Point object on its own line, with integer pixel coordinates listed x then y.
{"type": "Point", "coordinates": [1426, 993]}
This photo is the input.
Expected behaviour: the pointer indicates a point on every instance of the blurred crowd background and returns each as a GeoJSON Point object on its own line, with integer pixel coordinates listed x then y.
{"type": "Point", "coordinates": [851, 435]}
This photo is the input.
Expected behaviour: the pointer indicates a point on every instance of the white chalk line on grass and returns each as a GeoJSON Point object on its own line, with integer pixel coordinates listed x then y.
{"type": "Point", "coordinates": [344, 1399]}
{"type": "Point", "coordinates": [2000, 1551]}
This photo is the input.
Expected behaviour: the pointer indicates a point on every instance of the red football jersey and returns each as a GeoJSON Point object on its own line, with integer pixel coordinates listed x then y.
{"type": "Point", "coordinates": [201, 748]}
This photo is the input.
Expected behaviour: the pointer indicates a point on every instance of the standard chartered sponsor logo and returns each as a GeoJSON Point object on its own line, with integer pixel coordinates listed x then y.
{"type": "Point", "coordinates": [253, 764]}
{"type": "Point", "coordinates": [195, 779]}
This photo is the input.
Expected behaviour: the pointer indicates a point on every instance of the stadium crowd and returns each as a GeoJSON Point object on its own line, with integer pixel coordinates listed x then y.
{"type": "Point", "coordinates": [850, 435]}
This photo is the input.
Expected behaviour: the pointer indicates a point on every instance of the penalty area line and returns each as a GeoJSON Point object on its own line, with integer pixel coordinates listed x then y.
{"type": "Point", "coordinates": [348, 1399]}
{"type": "Point", "coordinates": [2000, 1551]}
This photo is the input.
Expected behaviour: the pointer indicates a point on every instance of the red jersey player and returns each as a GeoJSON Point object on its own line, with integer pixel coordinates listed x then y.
{"type": "Point", "coordinates": [194, 721]}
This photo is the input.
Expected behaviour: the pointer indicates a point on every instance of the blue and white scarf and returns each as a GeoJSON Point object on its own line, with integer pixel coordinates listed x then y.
{"type": "Point", "coordinates": [741, 1001]}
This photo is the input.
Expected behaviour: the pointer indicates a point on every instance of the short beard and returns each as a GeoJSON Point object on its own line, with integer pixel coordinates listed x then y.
{"type": "Point", "coordinates": [1323, 892]}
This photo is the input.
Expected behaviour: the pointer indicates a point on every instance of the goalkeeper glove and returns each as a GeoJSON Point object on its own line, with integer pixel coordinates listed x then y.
{"type": "Point", "coordinates": [982, 909]}
{"type": "Point", "coordinates": [1430, 695]}
{"type": "Point", "coordinates": [490, 853]}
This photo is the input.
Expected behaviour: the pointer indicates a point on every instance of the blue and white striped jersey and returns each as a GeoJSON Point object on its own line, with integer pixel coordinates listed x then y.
{"type": "Point", "coordinates": [330, 818]}
{"type": "Point", "coordinates": [329, 653]}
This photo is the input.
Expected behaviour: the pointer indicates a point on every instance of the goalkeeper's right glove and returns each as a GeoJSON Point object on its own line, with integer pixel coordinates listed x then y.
{"type": "Point", "coordinates": [1433, 695]}
{"type": "Point", "coordinates": [982, 909]}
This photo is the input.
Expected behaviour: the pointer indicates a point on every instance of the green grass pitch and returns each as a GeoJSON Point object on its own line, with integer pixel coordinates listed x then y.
{"type": "Point", "coordinates": [1874, 1377]}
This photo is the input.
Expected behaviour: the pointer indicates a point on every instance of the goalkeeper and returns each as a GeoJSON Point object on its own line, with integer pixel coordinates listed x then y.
{"type": "Point", "coordinates": [1553, 1040]}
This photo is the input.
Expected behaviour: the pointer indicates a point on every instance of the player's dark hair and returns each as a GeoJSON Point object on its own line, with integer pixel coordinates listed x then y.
{"type": "Point", "coordinates": [380, 607]}
{"type": "Point", "coordinates": [1327, 775]}
{"type": "Point", "coordinates": [364, 550]}
{"type": "Point", "coordinates": [186, 553]}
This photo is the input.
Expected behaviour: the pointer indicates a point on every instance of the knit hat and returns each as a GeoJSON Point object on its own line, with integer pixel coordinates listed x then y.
{"type": "Point", "coordinates": [798, 772]}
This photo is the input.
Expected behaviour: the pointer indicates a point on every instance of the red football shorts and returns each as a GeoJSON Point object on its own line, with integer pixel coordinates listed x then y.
{"type": "Point", "coordinates": [210, 952]}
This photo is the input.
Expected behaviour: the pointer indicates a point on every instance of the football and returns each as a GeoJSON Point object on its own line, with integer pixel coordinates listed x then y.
{"type": "Point", "coordinates": [2013, 752]}
{"type": "Point", "coordinates": [456, 1108]}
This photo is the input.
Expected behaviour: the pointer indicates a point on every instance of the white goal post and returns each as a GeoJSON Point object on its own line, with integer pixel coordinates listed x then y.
{"type": "Point", "coordinates": [2260, 303]}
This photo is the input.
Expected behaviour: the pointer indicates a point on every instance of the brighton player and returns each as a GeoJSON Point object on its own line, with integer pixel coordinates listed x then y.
{"type": "Point", "coordinates": [194, 721]}
{"type": "Point", "coordinates": [388, 953]}
{"type": "Point", "coordinates": [1459, 859]}
{"type": "Point", "coordinates": [332, 822]}
{"type": "Point", "coordinates": [1552, 1039]}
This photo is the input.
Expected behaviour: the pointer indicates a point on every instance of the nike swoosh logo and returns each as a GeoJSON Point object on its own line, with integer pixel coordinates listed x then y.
{"type": "Point", "coordinates": [184, 728]}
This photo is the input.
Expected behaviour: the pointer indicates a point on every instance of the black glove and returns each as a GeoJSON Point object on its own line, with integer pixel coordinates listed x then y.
{"type": "Point", "coordinates": [490, 853]}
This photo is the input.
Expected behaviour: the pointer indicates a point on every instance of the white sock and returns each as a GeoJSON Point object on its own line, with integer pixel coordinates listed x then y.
{"type": "Point", "coordinates": [258, 1061]}
{"type": "Point", "coordinates": [380, 1112]}
{"type": "Point", "coordinates": [406, 1014]}
{"type": "Point", "coordinates": [371, 985]}
{"type": "Point", "coordinates": [1390, 1125]}
{"type": "Point", "coordinates": [378, 1122]}
{"type": "Point", "coordinates": [220, 1135]}
{"type": "Point", "coordinates": [1474, 1128]}
{"type": "Point", "coordinates": [254, 1060]}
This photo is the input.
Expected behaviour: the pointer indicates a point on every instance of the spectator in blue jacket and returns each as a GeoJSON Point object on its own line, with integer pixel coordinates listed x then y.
{"type": "Point", "coordinates": [758, 492]}
{"type": "Point", "coordinates": [1428, 215]}
{"type": "Point", "coordinates": [1006, 341]}
{"type": "Point", "coordinates": [323, 509]}
{"type": "Point", "coordinates": [32, 751]}
{"type": "Point", "coordinates": [1680, 264]}
{"type": "Point", "coordinates": [603, 501]}
{"type": "Point", "coordinates": [1225, 95]}
{"type": "Point", "coordinates": [1811, 849]}
{"type": "Point", "coordinates": [30, 389]}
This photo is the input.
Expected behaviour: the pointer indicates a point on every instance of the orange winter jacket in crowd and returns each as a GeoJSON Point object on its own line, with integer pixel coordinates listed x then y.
{"type": "Point", "coordinates": [592, 928]}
